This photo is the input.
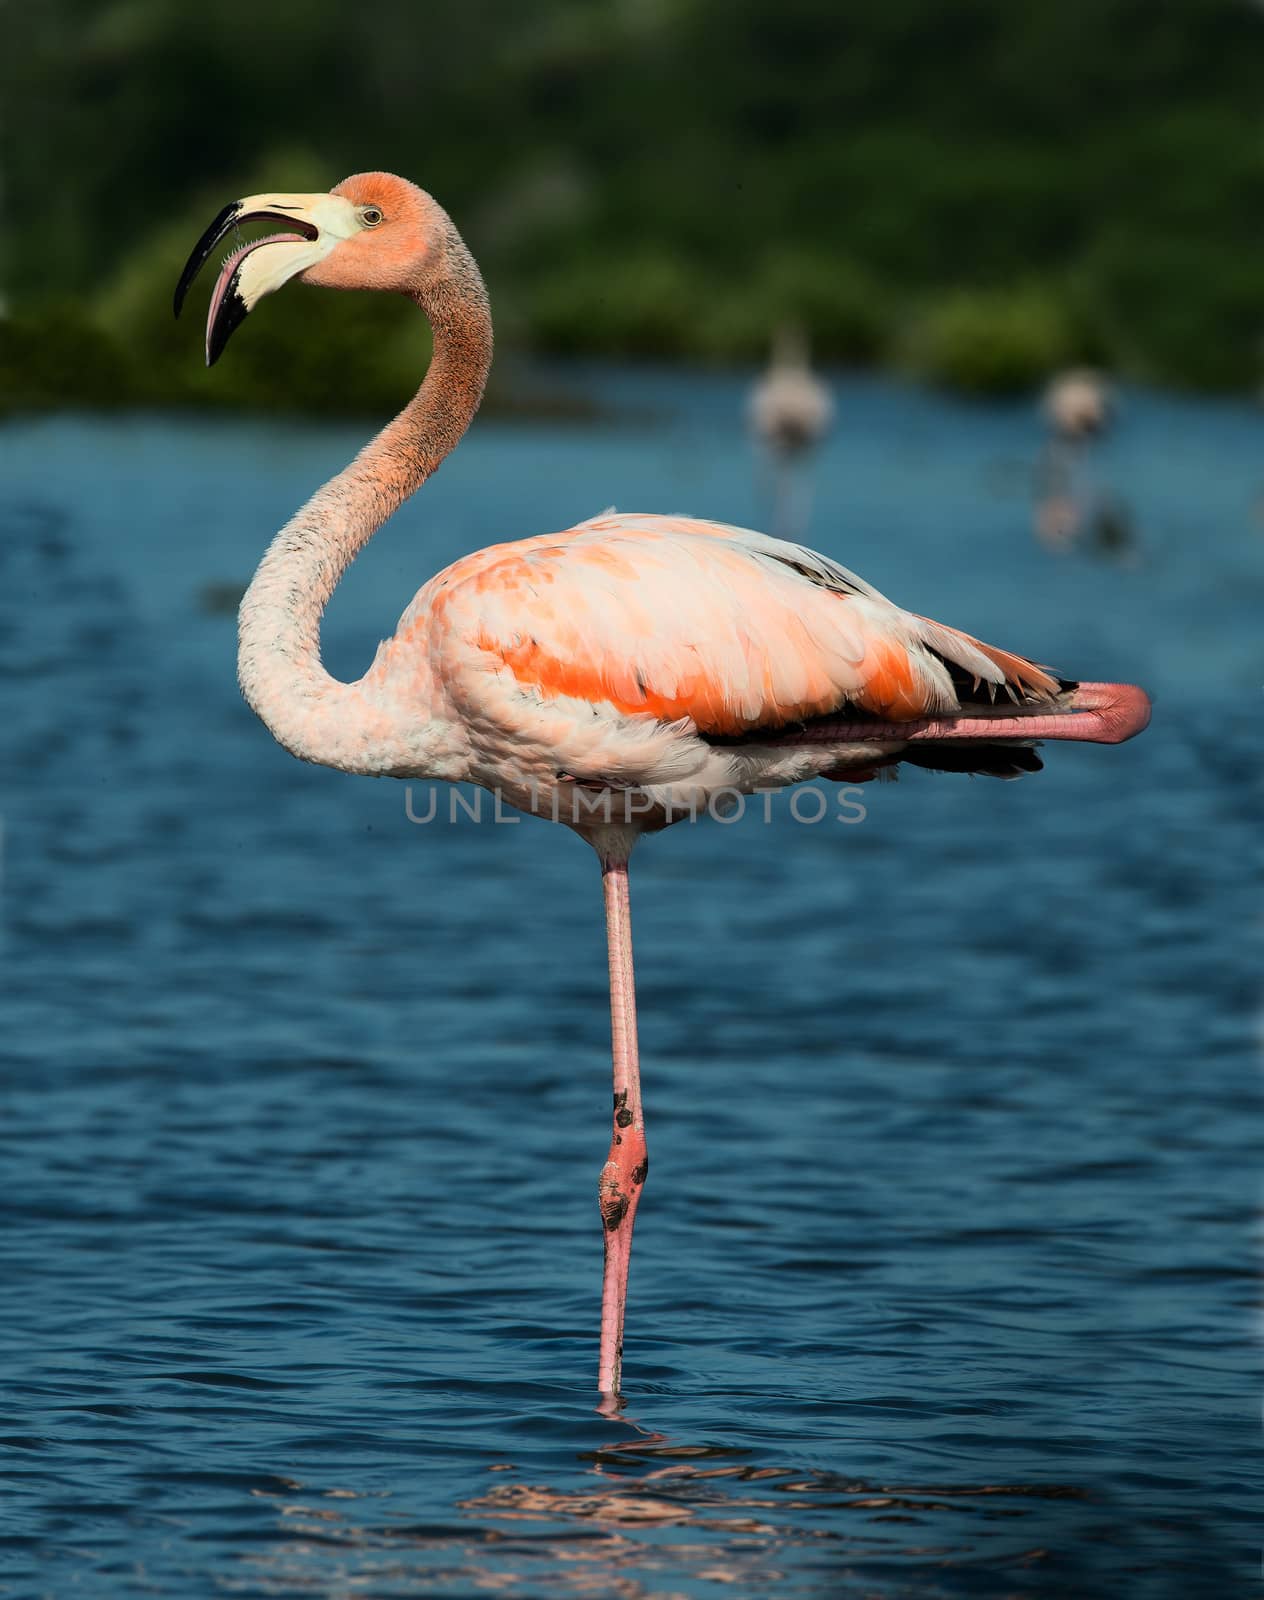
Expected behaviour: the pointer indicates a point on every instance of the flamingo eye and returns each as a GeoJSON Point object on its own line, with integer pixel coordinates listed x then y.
{"type": "Point", "coordinates": [370, 216]}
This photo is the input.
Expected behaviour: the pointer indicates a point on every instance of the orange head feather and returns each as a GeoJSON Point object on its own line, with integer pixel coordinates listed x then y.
{"type": "Point", "coordinates": [397, 254]}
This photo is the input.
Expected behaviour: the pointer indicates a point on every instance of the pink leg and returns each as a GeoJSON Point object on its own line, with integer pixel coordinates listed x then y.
{"type": "Point", "coordinates": [619, 1188]}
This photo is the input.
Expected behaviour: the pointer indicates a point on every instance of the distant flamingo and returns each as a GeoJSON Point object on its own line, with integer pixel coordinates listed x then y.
{"type": "Point", "coordinates": [612, 676]}
{"type": "Point", "coordinates": [1078, 404]}
{"type": "Point", "coordinates": [789, 411]}
{"type": "Point", "coordinates": [1079, 407]}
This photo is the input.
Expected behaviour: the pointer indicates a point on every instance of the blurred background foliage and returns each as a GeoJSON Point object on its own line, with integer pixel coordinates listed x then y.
{"type": "Point", "coordinates": [971, 190]}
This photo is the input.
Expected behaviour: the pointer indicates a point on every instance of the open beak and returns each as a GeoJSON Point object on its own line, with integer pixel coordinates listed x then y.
{"type": "Point", "coordinates": [312, 225]}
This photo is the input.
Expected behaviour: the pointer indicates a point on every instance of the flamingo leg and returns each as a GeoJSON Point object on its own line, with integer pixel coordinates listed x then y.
{"type": "Point", "coordinates": [622, 1177]}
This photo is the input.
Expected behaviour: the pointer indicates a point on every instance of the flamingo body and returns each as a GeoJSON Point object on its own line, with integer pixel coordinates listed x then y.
{"type": "Point", "coordinates": [668, 655]}
{"type": "Point", "coordinates": [1079, 405]}
{"type": "Point", "coordinates": [790, 409]}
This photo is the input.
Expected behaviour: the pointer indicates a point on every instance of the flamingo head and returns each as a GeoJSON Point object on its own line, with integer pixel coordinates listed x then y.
{"type": "Point", "coordinates": [373, 231]}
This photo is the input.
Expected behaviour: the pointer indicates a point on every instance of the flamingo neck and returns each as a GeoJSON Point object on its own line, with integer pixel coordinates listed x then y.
{"type": "Point", "coordinates": [363, 726]}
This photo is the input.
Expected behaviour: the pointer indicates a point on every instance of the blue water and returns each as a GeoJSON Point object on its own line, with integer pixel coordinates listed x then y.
{"type": "Point", "coordinates": [943, 1279]}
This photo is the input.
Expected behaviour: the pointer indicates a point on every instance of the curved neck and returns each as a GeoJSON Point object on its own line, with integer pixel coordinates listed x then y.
{"type": "Point", "coordinates": [357, 726]}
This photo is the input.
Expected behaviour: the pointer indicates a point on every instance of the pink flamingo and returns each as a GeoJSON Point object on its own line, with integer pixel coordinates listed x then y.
{"type": "Point", "coordinates": [614, 677]}
{"type": "Point", "coordinates": [790, 411]}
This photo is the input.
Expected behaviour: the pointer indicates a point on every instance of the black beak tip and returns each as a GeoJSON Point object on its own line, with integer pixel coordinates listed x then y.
{"type": "Point", "coordinates": [201, 250]}
{"type": "Point", "coordinates": [228, 318]}
{"type": "Point", "coordinates": [232, 309]}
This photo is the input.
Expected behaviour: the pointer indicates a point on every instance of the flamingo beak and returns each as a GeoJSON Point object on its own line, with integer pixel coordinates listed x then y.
{"type": "Point", "coordinates": [312, 225]}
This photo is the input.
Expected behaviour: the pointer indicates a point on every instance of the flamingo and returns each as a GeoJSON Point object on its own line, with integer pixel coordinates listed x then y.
{"type": "Point", "coordinates": [1079, 407]}
{"type": "Point", "coordinates": [789, 412]}
{"type": "Point", "coordinates": [612, 677]}
{"type": "Point", "coordinates": [790, 409]}
{"type": "Point", "coordinates": [1078, 404]}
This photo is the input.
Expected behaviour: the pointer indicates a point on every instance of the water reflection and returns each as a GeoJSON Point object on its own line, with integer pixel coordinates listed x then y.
{"type": "Point", "coordinates": [646, 1511]}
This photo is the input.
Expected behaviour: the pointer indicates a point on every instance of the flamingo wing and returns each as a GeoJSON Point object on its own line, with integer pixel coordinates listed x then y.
{"type": "Point", "coordinates": [712, 630]}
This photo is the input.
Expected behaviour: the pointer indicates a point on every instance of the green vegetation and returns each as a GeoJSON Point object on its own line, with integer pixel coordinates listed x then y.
{"type": "Point", "coordinates": [992, 341]}
{"type": "Point", "coordinates": [973, 190]}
